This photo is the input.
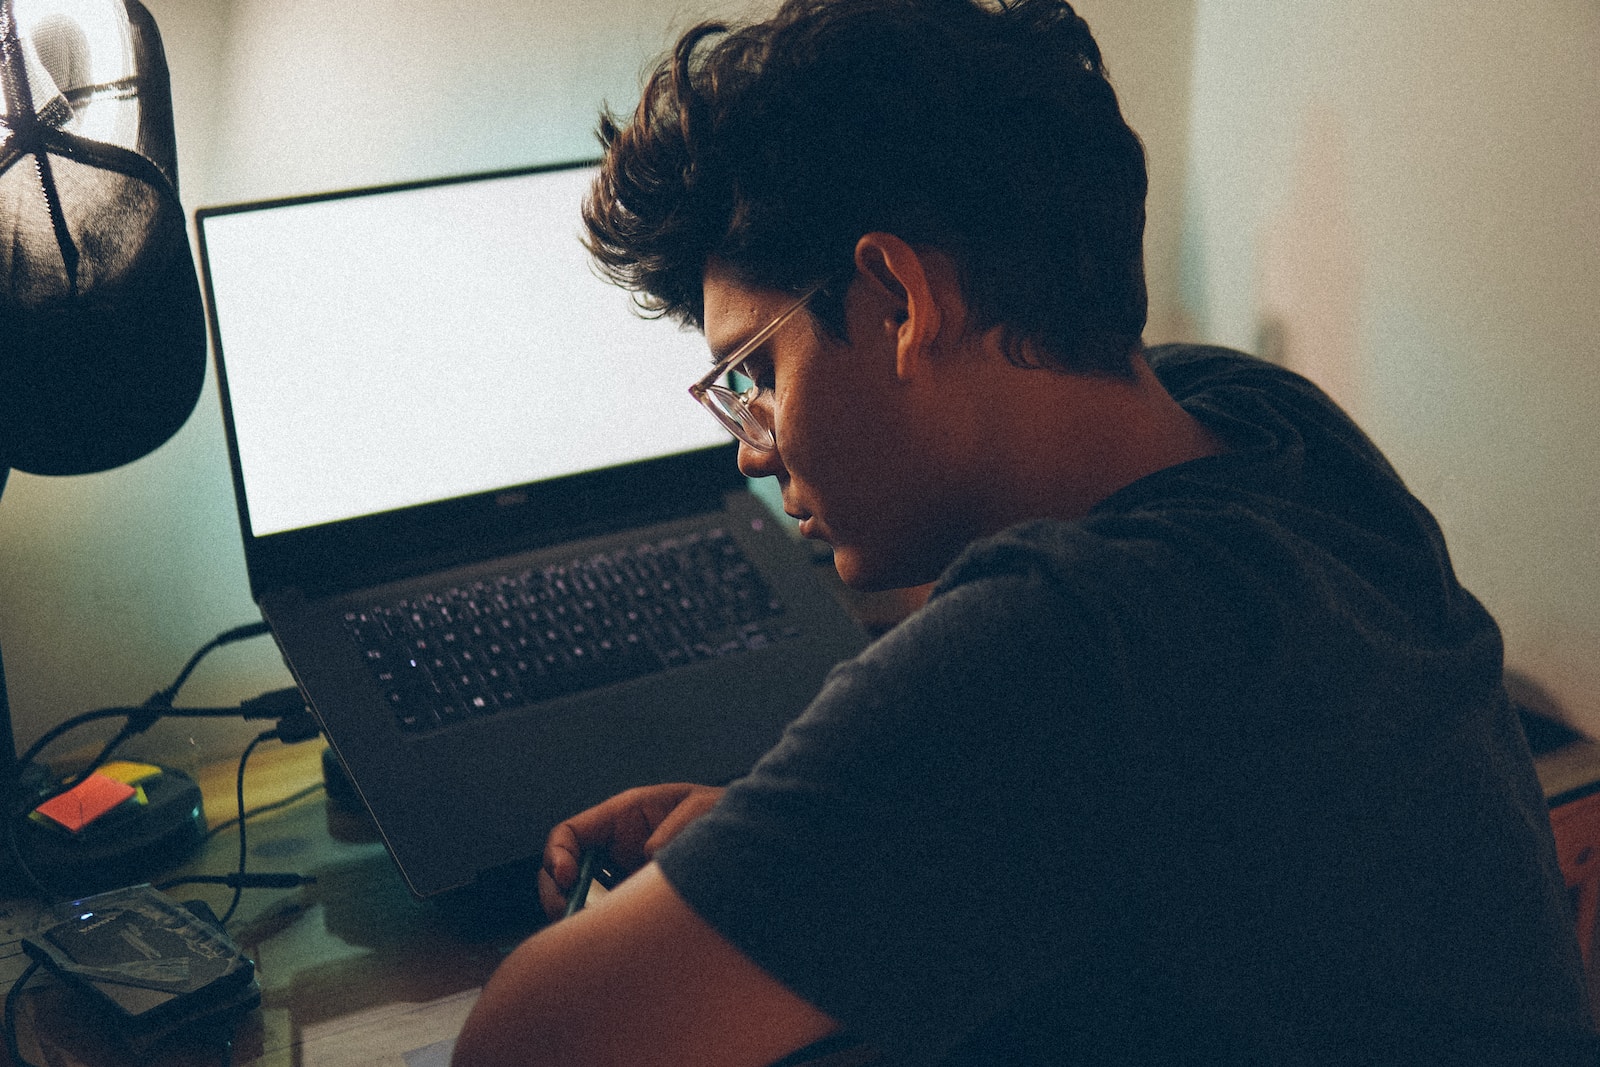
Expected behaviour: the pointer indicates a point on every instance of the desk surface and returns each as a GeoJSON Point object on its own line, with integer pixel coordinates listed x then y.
{"type": "Point", "coordinates": [1569, 770]}
{"type": "Point", "coordinates": [353, 970]}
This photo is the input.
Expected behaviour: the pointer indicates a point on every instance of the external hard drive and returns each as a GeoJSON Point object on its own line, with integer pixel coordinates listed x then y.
{"type": "Point", "coordinates": [153, 966]}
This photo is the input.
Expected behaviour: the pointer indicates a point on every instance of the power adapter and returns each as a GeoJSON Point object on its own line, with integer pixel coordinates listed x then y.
{"type": "Point", "coordinates": [150, 967]}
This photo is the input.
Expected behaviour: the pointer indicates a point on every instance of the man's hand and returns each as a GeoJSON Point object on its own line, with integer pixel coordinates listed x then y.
{"type": "Point", "coordinates": [639, 977]}
{"type": "Point", "coordinates": [631, 827]}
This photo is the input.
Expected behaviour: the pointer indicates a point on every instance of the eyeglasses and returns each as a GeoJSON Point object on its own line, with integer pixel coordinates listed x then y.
{"type": "Point", "coordinates": [733, 407]}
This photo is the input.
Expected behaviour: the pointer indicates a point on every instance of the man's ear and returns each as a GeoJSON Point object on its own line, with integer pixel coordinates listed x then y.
{"type": "Point", "coordinates": [906, 292]}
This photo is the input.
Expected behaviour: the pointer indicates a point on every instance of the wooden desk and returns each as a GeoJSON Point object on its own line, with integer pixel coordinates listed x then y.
{"type": "Point", "coordinates": [353, 970]}
{"type": "Point", "coordinates": [1570, 776]}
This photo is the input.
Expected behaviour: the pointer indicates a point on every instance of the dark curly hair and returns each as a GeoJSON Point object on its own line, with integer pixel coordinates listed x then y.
{"type": "Point", "coordinates": [988, 132]}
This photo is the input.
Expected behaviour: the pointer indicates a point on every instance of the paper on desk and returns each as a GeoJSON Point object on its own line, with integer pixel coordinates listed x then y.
{"type": "Point", "coordinates": [435, 1055]}
{"type": "Point", "coordinates": [394, 1035]}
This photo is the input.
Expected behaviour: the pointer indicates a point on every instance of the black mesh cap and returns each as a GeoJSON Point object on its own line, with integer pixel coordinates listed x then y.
{"type": "Point", "coordinates": [102, 331]}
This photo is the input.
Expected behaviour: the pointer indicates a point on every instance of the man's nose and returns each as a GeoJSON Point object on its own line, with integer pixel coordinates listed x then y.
{"type": "Point", "coordinates": [757, 464]}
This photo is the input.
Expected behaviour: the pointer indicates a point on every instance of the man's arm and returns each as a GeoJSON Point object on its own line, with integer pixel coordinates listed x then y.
{"type": "Point", "coordinates": [636, 978]}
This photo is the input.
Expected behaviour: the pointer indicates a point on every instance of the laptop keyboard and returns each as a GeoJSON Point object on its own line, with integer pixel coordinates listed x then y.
{"type": "Point", "coordinates": [510, 641]}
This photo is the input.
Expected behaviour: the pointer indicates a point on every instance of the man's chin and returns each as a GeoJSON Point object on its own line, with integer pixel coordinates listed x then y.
{"type": "Point", "coordinates": [864, 575]}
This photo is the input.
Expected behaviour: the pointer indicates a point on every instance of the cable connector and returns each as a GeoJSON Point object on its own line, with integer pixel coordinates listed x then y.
{"type": "Point", "coordinates": [268, 880]}
{"type": "Point", "coordinates": [298, 726]}
{"type": "Point", "coordinates": [163, 698]}
{"type": "Point", "coordinates": [274, 704]}
{"type": "Point", "coordinates": [295, 721]}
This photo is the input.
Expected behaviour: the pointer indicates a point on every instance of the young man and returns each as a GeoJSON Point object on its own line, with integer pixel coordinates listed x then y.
{"type": "Point", "coordinates": [1197, 753]}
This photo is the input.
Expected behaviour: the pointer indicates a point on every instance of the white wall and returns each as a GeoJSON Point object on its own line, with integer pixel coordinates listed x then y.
{"type": "Point", "coordinates": [108, 582]}
{"type": "Point", "coordinates": [1405, 190]}
{"type": "Point", "coordinates": [1148, 48]}
{"type": "Point", "coordinates": [1403, 196]}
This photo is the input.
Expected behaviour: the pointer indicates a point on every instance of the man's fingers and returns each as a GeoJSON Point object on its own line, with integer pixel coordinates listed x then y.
{"type": "Point", "coordinates": [695, 804]}
{"type": "Point", "coordinates": [624, 826]}
{"type": "Point", "coordinates": [552, 898]}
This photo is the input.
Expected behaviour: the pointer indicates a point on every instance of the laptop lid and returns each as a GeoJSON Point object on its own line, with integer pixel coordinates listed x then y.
{"type": "Point", "coordinates": [352, 329]}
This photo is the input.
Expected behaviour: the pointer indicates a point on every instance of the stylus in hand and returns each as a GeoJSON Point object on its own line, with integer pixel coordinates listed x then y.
{"type": "Point", "coordinates": [589, 864]}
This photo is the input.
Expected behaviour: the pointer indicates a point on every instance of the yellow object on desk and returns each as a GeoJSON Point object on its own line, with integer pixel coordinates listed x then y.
{"type": "Point", "coordinates": [129, 772]}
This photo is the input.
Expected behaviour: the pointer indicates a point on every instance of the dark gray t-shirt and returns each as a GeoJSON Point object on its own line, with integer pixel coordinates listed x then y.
{"type": "Point", "coordinates": [1222, 773]}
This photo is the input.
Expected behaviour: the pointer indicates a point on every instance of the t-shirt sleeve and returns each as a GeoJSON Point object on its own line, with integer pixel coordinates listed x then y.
{"type": "Point", "coordinates": [881, 861]}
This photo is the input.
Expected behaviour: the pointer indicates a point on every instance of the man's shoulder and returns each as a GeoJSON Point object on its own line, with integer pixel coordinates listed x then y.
{"type": "Point", "coordinates": [1196, 358]}
{"type": "Point", "coordinates": [1241, 388]}
{"type": "Point", "coordinates": [1185, 369]}
{"type": "Point", "coordinates": [1100, 564]}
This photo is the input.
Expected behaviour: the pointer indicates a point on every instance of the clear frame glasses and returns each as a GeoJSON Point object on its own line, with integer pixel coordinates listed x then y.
{"type": "Point", "coordinates": [733, 407]}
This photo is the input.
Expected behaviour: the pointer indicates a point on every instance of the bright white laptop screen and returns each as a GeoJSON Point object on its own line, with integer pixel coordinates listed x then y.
{"type": "Point", "coordinates": [405, 346]}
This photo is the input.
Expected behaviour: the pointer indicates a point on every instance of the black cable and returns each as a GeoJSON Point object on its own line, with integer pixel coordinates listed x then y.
{"type": "Point", "coordinates": [68, 784]}
{"type": "Point", "coordinates": [11, 1015]}
{"type": "Point", "coordinates": [68, 725]}
{"type": "Point", "coordinates": [13, 815]}
{"type": "Point", "coordinates": [163, 698]}
{"type": "Point", "coordinates": [238, 880]}
{"type": "Point", "coordinates": [141, 717]}
{"type": "Point", "coordinates": [18, 807]}
{"type": "Point", "coordinates": [241, 879]}
{"type": "Point", "coordinates": [295, 723]}
{"type": "Point", "coordinates": [238, 890]}
{"type": "Point", "coordinates": [285, 704]}
{"type": "Point", "coordinates": [159, 703]}
{"type": "Point", "coordinates": [262, 809]}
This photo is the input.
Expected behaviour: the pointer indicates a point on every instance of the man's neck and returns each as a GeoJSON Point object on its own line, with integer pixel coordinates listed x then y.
{"type": "Point", "coordinates": [1070, 441]}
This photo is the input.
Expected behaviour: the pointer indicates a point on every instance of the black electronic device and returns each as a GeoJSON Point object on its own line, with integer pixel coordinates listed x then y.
{"type": "Point", "coordinates": [151, 967]}
{"type": "Point", "coordinates": [122, 847]}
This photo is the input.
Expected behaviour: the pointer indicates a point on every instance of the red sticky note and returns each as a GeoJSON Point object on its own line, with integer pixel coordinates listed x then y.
{"type": "Point", "coordinates": [86, 801]}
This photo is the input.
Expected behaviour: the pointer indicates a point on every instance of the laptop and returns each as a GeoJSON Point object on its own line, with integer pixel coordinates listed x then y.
{"type": "Point", "coordinates": [511, 564]}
